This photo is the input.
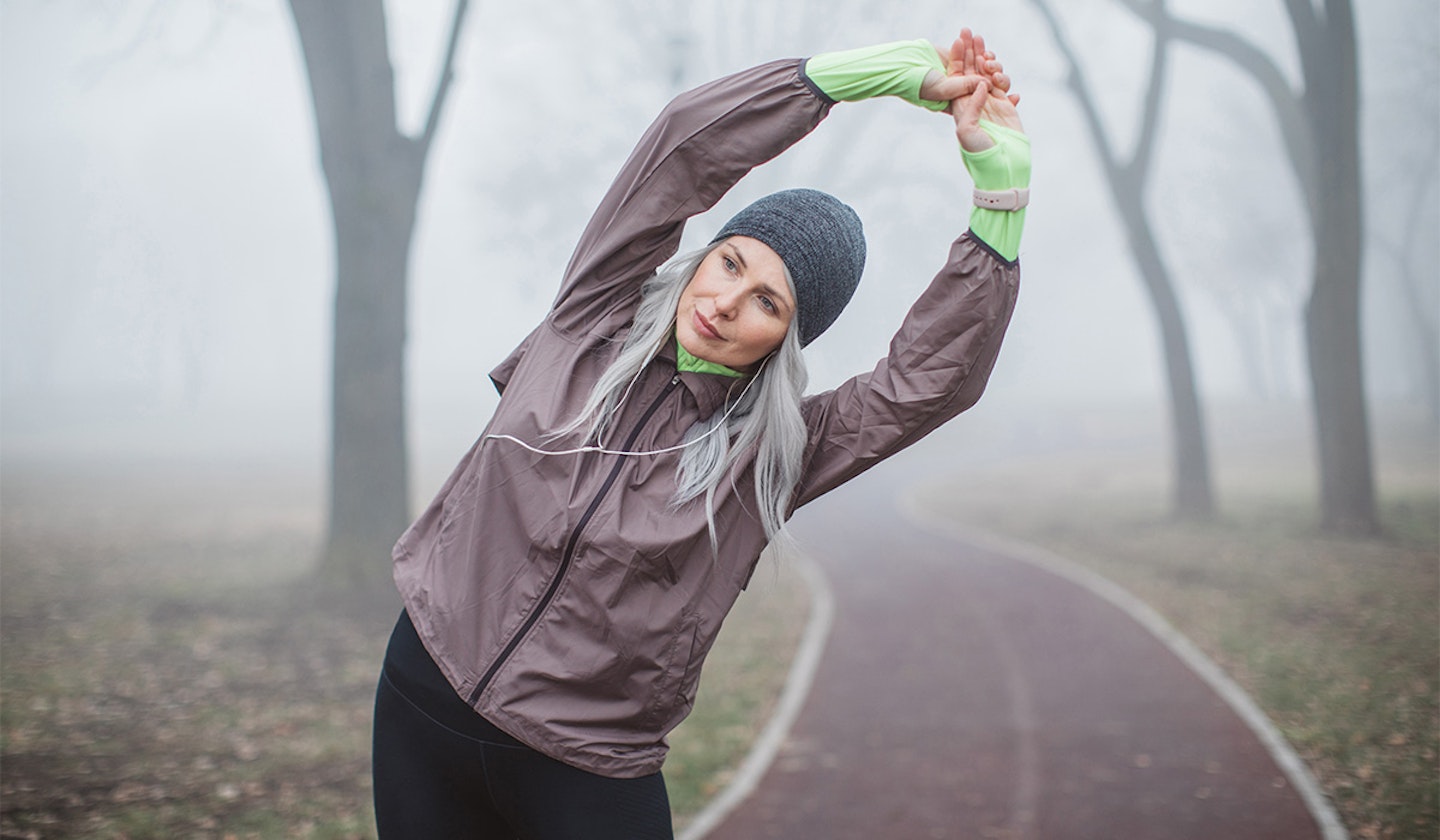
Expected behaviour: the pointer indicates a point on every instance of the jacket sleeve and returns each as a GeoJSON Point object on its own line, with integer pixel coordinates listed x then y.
{"type": "Point", "coordinates": [702, 143]}
{"type": "Point", "coordinates": [937, 367]}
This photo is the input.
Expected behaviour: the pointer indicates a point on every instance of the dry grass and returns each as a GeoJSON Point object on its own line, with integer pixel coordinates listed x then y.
{"type": "Point", "coordinates": [166, 672]}
{"type": "Point", "coordinates": [1337, 638]}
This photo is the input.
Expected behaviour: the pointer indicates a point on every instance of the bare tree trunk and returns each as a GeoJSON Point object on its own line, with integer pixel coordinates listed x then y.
{"type": "Point", "coordinates": [374, 174]}
{"type": "Point", "coordinates": [1320, 127]}
{"type": "Point", "coordinates": [1193, 493]}
{"type": "Point", "coordinates": [1332, 317]}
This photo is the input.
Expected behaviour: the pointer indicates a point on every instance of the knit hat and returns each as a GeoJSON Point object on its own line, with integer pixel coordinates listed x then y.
{"type": "Point", "coordinates": [821, 242]}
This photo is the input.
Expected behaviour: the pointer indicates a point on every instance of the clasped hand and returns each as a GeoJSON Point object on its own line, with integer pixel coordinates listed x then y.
{"type": "Point", "coordinates": [975, 85]}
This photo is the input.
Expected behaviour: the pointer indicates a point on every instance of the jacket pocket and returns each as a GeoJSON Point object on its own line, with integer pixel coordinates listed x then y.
{"type": "Point", "coordinates": [455, 507]}
{"type": "Point", "coordinates": [674, 691]}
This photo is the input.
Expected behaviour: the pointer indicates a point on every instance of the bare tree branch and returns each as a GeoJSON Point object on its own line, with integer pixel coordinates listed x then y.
{"type": "Point", "coordinates": [1193, 492]}
{"type": "Point", "coordinates": [1150, 116]}
{"type": "Point", "coordinates": [1319, 122]}
{"type": "Point", "coordinates": [442, 84]}
{"type": "Point", "coordinates": [1077, 82]}
{"type": "Point", "coordinates": [1294, 127]}
{"type": "Point", "coordinates": [1303, 19]}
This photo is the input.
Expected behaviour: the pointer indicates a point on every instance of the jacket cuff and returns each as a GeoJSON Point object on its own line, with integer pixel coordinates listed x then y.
{"type": "Point", "coordinates": [894, 69]}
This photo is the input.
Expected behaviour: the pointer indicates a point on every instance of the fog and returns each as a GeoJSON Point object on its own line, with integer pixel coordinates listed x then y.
{"type": "Point", "coordinates": [166, 256]}
{"type": "Point", "coordinates": [167, 278]}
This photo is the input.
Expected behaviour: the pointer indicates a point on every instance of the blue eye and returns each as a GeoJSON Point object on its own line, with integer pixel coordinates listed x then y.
{"type": "Point", "coordinates": [729, 264]}
{"type": "Point", "coordinates": [767, 303]}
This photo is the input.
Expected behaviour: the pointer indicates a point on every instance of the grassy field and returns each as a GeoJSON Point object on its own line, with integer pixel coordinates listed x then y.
{"type": "Point", "coordinates": [167, 672]}
{"type": "Point", "coordinates": [1338, 639]}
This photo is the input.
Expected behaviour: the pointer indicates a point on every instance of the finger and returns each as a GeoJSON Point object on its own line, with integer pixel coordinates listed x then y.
{"type": "Point", "coordinates": [958, 50]}
{"type": "Point", "coordinates": [996, 71]}
{"type": "Point", "coordinates": [972, 137]}
{"type": "Point", "coordinates": [968, 112]}
{"type": "Point", "coordinates": [951, 88]}
{"type": "Point", "coordinates": [999, 80]}
{"type": "Point", "coordinates": [1014, 99]}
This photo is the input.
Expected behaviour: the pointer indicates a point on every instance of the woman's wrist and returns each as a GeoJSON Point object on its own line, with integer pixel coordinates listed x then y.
{"type": "Point", "coordinates": [1001, 175]}
{"type": "Point", "coordinates": [1003, 166]}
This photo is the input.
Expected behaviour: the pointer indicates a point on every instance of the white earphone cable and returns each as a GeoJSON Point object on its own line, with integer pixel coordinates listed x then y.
{"type": "Point", "coordinates": [606, 451]}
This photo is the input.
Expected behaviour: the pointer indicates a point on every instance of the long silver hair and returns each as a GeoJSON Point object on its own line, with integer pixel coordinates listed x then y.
{"type": "Point", "coordinates": [764, 416]}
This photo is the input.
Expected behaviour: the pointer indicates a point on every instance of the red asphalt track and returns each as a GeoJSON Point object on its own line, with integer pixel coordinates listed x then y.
{"type": "Point", "coordinates": [962, 694]}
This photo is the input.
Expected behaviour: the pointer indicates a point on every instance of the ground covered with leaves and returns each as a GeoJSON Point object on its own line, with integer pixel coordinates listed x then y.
{"type": "Point", "coordinates": [169, 668]}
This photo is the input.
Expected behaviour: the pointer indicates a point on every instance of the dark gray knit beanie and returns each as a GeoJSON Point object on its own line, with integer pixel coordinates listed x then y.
{"type": "Point", "coordinates": [822, 244]}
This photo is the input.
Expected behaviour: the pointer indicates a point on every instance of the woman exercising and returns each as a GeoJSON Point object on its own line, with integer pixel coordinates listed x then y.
{"type": "Point", "coordinates": [652, 437]}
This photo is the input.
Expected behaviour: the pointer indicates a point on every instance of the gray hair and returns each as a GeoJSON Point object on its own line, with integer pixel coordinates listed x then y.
{"type": "Point", "coordinates": [766, 416]}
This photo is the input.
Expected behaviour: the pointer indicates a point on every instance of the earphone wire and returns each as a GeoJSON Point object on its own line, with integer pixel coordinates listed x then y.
{"type": "Point", "coordinates": [579, 450]}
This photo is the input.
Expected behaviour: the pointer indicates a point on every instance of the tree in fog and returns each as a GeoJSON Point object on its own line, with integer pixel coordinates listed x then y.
{"type": "Point", "coordinates": [373, 173]}
{"type": "Point", "coordinates": [1319, 124]}
{"type": "Point", "coordinates": [1404, 188]}
{"type": "Point", "coordinates": [1246, 271]}
{"type": "Point", "coordinates": [1414, 266]}
{"type": "Point", "coordinates": [1192, 496]}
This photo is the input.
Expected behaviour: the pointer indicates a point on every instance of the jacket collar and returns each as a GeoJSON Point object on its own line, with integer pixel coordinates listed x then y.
{"type": "Point", "coordinates": [688, 361]}
{"type": "Point", "coordinates": [710, 390]}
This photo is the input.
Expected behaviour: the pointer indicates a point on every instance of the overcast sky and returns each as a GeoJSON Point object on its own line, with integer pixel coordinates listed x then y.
{"type": "Point", "coordinates": [165, 255]}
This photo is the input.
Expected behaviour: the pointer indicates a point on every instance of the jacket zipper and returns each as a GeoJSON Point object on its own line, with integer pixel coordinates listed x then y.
{"type": "Point", "coordinates": [568, 556]}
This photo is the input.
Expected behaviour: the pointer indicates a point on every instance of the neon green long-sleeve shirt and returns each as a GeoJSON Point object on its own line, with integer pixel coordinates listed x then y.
{"type": "Point", "coordinates": [898, 69]}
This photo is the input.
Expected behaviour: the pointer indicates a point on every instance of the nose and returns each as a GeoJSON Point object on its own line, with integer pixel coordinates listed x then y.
{"type": "Point", "coordinates": [727, 301]}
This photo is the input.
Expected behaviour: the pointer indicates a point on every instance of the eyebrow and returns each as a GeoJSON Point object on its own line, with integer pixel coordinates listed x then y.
{"type": "Point", "coordinates": [764, 287]}
{"type": "Point", "coordinates": [775, 293]}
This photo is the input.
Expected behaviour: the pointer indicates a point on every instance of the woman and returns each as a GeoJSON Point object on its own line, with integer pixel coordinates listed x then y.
{"type": "Point", "coordinates": [564, 587]}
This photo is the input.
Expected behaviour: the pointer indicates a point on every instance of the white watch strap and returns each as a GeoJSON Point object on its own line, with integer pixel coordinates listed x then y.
{"type": "Point", "coordinates": [1013, 199]}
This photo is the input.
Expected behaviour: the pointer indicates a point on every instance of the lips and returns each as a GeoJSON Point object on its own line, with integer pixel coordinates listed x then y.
{"type": "Point", "coordinates": [704, 328]}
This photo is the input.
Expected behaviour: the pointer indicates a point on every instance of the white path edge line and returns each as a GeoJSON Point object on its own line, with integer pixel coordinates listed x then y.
{"type": "Point", "coordinates": [1290, 763]}
{"type": "Point", "coordinates": [792, 698]}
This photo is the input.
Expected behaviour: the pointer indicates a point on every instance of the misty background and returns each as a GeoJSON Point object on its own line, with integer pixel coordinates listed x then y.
{"type": "Point", "coordinates": [173, 660]}
{"type": "Point", "coordinates": [166, 255]}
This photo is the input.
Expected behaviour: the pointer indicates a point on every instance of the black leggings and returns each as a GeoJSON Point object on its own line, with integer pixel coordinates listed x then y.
{"type": "Point", "coordinates": [443, 771]}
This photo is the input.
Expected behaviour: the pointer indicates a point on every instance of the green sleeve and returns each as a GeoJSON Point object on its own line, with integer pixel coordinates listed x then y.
{"type": "Point", "coordinates": [894, 69]}
{"type": "Point", "coordinates": [1004, 166]}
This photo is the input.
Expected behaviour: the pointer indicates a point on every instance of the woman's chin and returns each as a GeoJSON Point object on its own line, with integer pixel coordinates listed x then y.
{"type": "Point", "coordinates": [695, 345]}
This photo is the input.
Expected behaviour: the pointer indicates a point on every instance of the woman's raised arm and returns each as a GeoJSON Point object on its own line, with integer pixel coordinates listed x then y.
{"type": "Point", "coordinates": [709, 138]}
{"type": "Point", "coordinates": [941, 358]}
{"type": "Point", "coordinates": [702, 143]}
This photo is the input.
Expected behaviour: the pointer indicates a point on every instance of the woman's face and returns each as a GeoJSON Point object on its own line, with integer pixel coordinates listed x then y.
{"type": "Point", "coordinates": [738, 305]}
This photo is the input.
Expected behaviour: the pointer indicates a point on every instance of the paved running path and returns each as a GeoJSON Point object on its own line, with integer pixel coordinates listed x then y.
{"type": "Point", "coordinates": [964, 695]}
